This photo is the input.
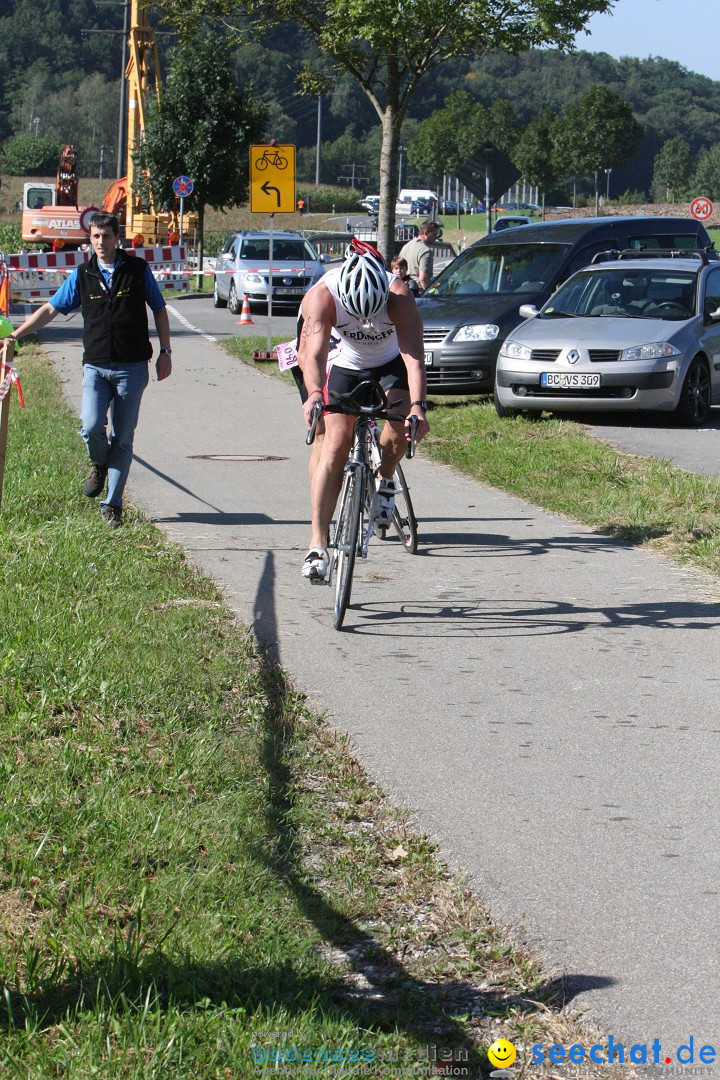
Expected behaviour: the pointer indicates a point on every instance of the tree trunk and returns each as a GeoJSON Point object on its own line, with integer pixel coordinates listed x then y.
{"type": "Point", "coordinates": [391, 124]}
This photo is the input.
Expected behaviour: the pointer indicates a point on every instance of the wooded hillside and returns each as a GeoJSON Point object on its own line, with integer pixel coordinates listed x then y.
{"type": "Point", "coordinates": [62, 81]}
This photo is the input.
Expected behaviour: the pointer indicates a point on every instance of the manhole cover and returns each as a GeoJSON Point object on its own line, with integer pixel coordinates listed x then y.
{"type": "Point", "coordinates": [236, 457]}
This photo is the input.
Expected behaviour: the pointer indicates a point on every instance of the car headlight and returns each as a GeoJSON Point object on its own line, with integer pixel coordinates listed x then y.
{"type": "Point", "coordinates": [477, 332]}
{"type": "Point", "coordinates": [516, 351]}
{"type": "Point", "coordinates": [656, 350]}
{"type": "Point", "coordinates": [254, 279]}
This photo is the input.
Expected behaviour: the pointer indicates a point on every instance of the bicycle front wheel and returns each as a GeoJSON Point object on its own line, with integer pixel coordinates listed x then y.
{"type": "Point", "coordinates": [403, 518]}
{"type": "Point", "coordinates": [346, 537]}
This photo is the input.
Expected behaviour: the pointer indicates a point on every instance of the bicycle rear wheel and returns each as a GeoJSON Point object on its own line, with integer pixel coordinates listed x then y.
{"type": "Point", "coordinates": [345, 544]}
{"type": "Point", "coordinates": [403, 518]}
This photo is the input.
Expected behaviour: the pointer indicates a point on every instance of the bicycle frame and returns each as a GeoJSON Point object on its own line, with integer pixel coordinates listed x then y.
{"type": "Point", "coordinates": [354, 525]}
{"type": "Point", "coordinates": [363, 462]}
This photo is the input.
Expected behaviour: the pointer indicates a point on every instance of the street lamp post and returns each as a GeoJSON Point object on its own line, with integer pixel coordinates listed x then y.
{"type": "Point", "coordinates": [488, 151]}
{"type": "Point", "coordinates": [401, 151]}
{"type": "Point", "coordinates": [36, 125]}
{"type": "Point", "coordinates": [607, 188]}
{"type": "Point", "coordinates": [317, 149]}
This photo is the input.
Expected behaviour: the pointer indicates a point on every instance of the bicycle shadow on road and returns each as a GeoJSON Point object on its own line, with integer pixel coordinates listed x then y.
{"type": "Point", "coordinates": [451, 617]}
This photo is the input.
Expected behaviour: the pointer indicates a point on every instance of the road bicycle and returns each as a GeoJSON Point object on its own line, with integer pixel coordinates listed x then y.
{"type": "Point", "coordinates": [271, 157]}
{"type": "Point", "coordinates": [354, 527]}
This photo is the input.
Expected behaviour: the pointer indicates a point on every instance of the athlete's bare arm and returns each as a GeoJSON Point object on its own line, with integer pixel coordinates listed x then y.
{"type": "Point", "coordinates": [403, 310]}
{"type": "Point", "coordinates": [318, 311]}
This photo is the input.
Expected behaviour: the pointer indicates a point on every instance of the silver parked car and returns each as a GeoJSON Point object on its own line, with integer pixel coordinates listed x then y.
{"type": "Point", "coordinates": [243, 269]}
{"type": "Point", "coordinates": [625, 334]}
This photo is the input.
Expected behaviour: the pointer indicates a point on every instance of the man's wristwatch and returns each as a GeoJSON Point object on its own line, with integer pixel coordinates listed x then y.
{"type": "Point", "coordinates": [167, 352]}
{"type": "Point", "coordinates": [421, 404]}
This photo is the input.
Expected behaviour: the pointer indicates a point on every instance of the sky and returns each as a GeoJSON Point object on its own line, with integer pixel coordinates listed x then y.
{"type": "Point", "coordinates": [684, 30]}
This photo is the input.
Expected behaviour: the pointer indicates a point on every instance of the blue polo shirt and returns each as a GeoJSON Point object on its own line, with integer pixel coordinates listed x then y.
{"type": "Point", "coordinates": [67, 298]}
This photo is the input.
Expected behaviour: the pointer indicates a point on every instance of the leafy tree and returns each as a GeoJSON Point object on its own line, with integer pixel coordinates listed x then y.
{"type": "Point", "coordinates": [390, 48]}
{"type": "Point", "coordinates": [535, 154]}
{"type": "Point", "coordinates": [673, 168]}
{"type": "Point", "coordinates": [84, 114]}
{"type": "Point", "coordinates": [707, 175]}
{"type": "Point", "coordinates": [450, 135]}
{"type": "Point", "coordinates": [597, 131]}
{"type": "Point", "coordinates": [189, 132]}
{"type": "Point", "coordinates": [25, 155]}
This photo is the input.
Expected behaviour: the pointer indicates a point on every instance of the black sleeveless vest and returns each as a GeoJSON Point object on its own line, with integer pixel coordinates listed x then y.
{"type": "Point", "coordinates": [115, 323]}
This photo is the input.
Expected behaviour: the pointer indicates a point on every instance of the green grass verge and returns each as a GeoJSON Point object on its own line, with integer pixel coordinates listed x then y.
{"type": "Point", "coordinates": [191, 862]}
{"type": "Point", "coordinates": [557, 465]}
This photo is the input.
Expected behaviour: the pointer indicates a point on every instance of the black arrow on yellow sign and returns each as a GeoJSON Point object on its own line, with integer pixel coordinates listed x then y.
{"type": "Point", "coordinates": [267, 188]}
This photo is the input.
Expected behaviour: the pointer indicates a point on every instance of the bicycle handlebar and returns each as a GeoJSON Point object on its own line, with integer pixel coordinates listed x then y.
{"type": "Point", "coordinates": [348, 406]}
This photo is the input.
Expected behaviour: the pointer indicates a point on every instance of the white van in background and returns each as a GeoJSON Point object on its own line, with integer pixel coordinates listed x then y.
{"type": "Point", "coordinates": [408, 196]}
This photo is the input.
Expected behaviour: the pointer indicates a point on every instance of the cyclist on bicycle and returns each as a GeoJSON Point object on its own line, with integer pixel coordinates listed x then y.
{"type": "Point", "coordinates": [377, 334]}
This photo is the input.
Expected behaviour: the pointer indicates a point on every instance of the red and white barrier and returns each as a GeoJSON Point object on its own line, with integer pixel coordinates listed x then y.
{"type": "Point", "coordinates": [38, 274]}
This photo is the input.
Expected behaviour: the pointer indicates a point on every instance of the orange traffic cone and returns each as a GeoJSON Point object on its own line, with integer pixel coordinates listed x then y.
{"type": "Point", "coordinates": [245, 316]}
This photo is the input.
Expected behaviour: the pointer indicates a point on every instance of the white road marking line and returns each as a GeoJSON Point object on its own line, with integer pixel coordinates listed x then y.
{"type": "Point", "coordinates": [189, 325]}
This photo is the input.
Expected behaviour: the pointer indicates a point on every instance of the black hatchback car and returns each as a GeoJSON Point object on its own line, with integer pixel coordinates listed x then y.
{"type": "Point", "coordinates": [472, 305]}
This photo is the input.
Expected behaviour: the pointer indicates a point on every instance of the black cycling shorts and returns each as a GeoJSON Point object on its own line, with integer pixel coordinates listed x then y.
{"type": "Point", "coordinates": [391, 376]}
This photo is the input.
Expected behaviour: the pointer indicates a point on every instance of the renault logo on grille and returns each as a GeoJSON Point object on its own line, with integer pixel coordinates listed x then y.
{"type": "Point", "coordinates": [573, 356]}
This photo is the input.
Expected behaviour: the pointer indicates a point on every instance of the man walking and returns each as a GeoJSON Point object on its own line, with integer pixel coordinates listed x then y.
{"type": "Point", "coordinates": [419, 253]}
{"type": "Point", "coordinates": [112, 291]}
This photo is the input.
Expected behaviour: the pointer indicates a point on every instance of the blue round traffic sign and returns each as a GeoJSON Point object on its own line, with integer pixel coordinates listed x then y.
{"type": "Point", "coordinates": [183, 186]}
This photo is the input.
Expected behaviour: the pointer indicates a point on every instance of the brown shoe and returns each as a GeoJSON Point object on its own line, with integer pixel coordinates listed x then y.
{"type": "Point", "coordinates": [112, 515]}
{"type": "Point", "coordinates": [95, 481]}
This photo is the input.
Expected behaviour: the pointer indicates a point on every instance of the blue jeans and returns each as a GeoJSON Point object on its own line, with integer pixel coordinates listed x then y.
{"type": "Point", "coordinates": [117, 387]}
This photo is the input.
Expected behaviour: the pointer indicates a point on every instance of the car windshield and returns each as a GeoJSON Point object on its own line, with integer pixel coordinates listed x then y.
{"type": "Point", "coordinates": [283, 251]}
{"type": "Point", "coordinates": [625, 293]}
{"type": "Point", "coordinates": [499, 268]}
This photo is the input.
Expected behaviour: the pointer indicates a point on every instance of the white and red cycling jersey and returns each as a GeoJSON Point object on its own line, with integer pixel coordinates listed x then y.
{"type": "Point", "coordinates": [355, 344]}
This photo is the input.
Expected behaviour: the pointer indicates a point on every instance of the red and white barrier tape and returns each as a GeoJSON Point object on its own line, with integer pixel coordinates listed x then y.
{"type": "Point", "coordinates": [8, 376]}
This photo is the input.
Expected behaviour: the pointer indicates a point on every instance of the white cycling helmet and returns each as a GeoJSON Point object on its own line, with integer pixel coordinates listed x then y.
{"type": "Point", "coordinates": [363, 285]}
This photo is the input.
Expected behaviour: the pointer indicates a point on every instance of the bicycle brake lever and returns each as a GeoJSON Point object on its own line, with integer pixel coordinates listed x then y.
{"type": "Point", "coordinates": [316, 413]}
{"type": "Point", "coordinates": [410, 452]}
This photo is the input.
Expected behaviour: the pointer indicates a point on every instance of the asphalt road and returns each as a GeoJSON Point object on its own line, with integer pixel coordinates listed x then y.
{"type": "Point", "coordinates": [544, 698]}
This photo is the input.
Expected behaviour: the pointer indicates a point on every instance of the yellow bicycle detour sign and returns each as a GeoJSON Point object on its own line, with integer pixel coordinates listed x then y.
{"type": "Point", "coordinates": [272, 179]}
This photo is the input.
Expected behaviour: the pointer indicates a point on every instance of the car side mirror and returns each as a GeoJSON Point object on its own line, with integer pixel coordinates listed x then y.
{"type": "Point", "coordinates": [528, 311]}
{"type": "Point", "coordinates": [715, 315]}
{"type": "Point", "coordinates": [323, 258]}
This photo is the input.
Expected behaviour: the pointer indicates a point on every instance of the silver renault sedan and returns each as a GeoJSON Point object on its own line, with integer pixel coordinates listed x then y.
{"type": "Point", "coordinates": [625, 333]}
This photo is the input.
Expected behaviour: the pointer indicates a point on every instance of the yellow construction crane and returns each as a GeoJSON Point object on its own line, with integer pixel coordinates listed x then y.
{"type": "Point", "coordinates": [142, 74]}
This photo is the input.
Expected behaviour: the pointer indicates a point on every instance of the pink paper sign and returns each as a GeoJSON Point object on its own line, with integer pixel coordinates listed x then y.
{"type": "Point", "coordinates": [287, 355]}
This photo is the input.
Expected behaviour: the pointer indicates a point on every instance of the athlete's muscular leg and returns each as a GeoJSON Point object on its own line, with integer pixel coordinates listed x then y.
{"type": "Point", "coordinates": [327, 475]}
{"type": "Point", "coordinates": [393, 442]}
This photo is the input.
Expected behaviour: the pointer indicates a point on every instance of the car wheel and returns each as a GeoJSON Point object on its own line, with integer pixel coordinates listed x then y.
{"type": "Point", "coordinates": [217, 299]}
{"type": "Point", "coordinates": [694, 406]}
{"type": "Point", "coordinates": [502, 410]}
{"type": "Point", "coordinates": [234, 302]}
{"type": "Point", "coordinates": [506, 413]}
